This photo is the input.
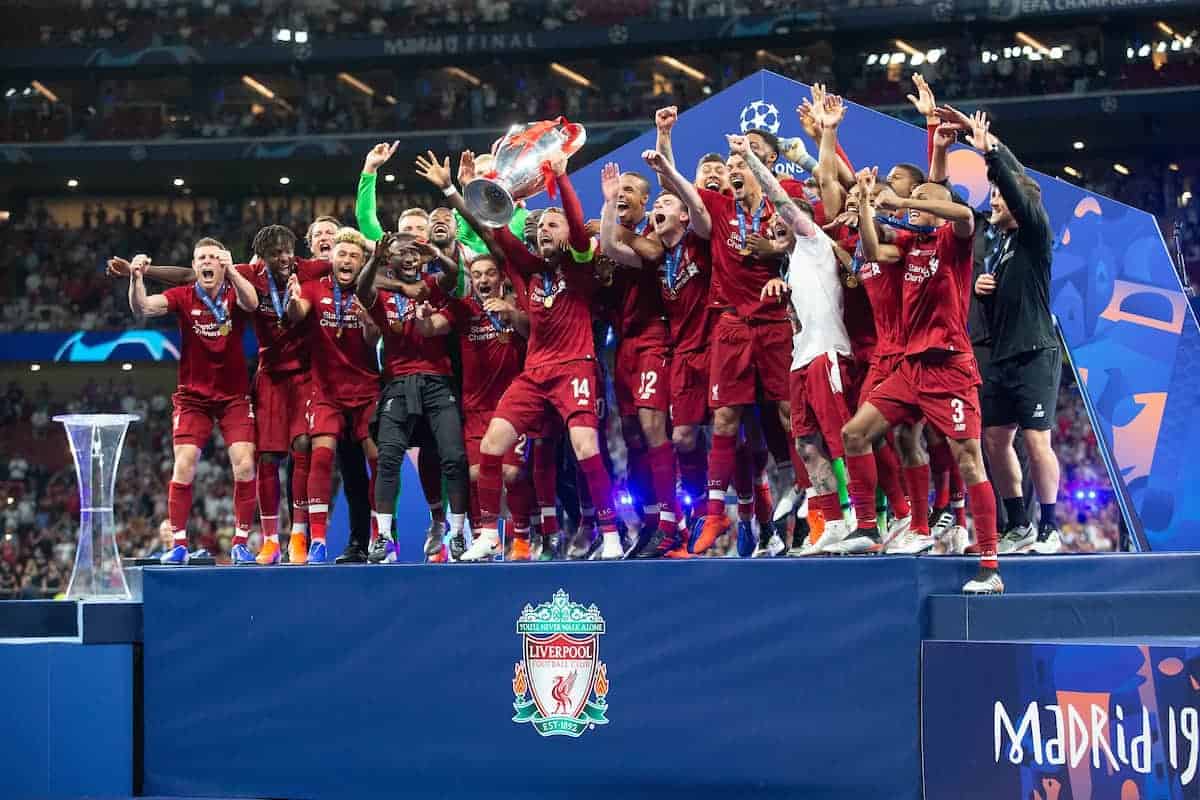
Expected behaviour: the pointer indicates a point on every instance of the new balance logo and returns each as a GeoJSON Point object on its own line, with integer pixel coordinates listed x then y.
{"type": "Point", "coordinates": [1039, 412]}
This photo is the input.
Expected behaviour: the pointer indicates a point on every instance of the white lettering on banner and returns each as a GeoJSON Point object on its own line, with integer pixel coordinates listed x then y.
{"type": "Point", "coordinates": [1076, 731]}
{"type": "Point", "coordinates": [459, 43]}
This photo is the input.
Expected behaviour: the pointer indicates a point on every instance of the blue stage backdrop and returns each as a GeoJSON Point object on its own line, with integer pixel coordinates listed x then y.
{"type": "Point", "coordinates": [1004, 720]}
{"type": "Point", "coordinates": [1126, 321]}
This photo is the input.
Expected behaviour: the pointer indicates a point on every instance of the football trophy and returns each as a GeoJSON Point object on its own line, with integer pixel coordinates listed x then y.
{"type": "Point", "coordinates": [522, 169]}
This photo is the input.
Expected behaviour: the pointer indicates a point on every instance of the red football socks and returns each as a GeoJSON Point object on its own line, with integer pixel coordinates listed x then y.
{"type": "Point", "coordinates": [983, 504]}
{"type": "Point", "coordinates": [179, 508]}
{"type": "Point", "coordinates": [244, 504]}
{"type": "Point", "coordinates": [490, 482]}
{"type": "Point", "coordinates": [662, 473]}
{"type": "Point", "coordinates": [320, 484]}
{"type": "Point", "coordinates": [300, 466]}
{"type": "Point", "coordinates": [692, 466]}
{"type": "Point", "coordinates": [600, 488]}
{"type": "Point", "coordinates": [863, 482]}
{"type": "Point", "coordinates": [520, 501]}
{"type": "Point", "coordinates": [917, 480]}
{"type": "Point", "coordinates": [268, 498]}
{"type": "Point", "coordinates": [888, 468]}
{"type": "Point", "coordinates": [940, 463]}
{"type": "Point", "coordinates": [720, 470]}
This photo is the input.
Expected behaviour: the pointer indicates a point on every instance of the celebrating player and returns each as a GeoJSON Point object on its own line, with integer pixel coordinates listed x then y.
{"type": "Point", "coordinates": [557, 284]}
{"type": "Point", "coordinates": [938, 377]}
{"type": "Point", "coordinates": [213, 383]}
{"type": "Point", "coordinates": [345, 383]}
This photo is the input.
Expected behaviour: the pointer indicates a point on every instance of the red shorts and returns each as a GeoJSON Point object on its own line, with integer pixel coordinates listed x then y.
{"type": "Point", "coordinates": [475, 425]}
{"type": "Point", "coordinates": [193, 420]}
{"type": "Point", "coordinates": [329, 418]}
{"type": "Point", "coordinates": [748, 362]}
{"type": "Point", "coordinates": [280, 402]}
{"type": "Point", "coordinates": [821, 404]}
{"type": "Point", "coordinates": [689, 388]}
{"type": "Point", "coordinates": [569, 390]}
{"type": "Point", "coordinates": [882, 367]}
{"type": "Point", "coordinates": [943, 389]}
{"type": "Point", "coordinates": [640, 377]}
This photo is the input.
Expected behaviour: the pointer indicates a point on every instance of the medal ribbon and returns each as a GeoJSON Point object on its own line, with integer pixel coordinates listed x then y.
{"type": "Point", "coordinates": [276, 295]}
{"type": "Point", "coordinates": [340, 308]}
{"type": "Point", "coordinates": [672, 258]}
{"type": "Point", "coordinates": [401, 307]}
{"type": "Point", "coordinates": [856, 261]}
{"type": "Point", "coordinates": [757, 219]}
{"type": "Point", "coordinates": [218, 310]}
{"type": "Point", "coordinates": [640, 228]}
{"type": "Point", "coordinates": [1000, 244]}
{"type": "Point", "coordinates": [896, 222]}
{"type": "Point", "coordinates": [547, 285]}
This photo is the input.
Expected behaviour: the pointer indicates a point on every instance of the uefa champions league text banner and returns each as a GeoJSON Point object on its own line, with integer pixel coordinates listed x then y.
{"type": "Point", "coordinates": [1004, 720]}
{"type": "Point", "coordinates": [1128, 326]}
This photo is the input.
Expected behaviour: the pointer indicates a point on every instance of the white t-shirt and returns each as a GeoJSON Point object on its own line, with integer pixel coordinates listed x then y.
{"type": "Point", "coordinates": [816, 299]}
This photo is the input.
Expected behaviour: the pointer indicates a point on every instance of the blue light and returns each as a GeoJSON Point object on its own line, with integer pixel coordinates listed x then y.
{"type": "Point", "coordinates": [687, 499]}
{"type": "Point", "coordinates": [1092, 494]}
{"type": "Point", "coordinates": [1079, 494]}
{"type": "Point", "coordinates": [625, 499]}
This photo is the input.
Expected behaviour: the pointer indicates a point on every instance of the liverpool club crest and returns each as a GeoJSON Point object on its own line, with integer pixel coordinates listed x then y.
{"type": "Point", "coordinates": [561, 685]}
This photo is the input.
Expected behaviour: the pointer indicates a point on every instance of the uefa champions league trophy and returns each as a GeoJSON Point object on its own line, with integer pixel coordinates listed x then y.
{"type": "Point", "coordinates": [522, 168]}
{"type": "Point", "coordinates": [96, 441]}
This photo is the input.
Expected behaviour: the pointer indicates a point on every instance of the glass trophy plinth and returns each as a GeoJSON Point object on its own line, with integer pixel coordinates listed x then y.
{"type": "Point", "coordinates": [96, 442]}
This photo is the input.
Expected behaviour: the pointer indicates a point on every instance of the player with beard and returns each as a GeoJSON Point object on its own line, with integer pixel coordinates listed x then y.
{"type": "Point", "coordinates": [938, 377]}
{"type": "Point", "coordinates": [822, 369]}
{"type": "Point", "coordinates": [751, 338]}
{"type": "Point", "coordinates": [417, 390]}
{"type": "Point", "coordinates": [682, 224]}
{"type": "Point", "coordinates": [557, 285]}
{"type": "Point", "coordinates": [282, 391]}
{"type": "Point", "coordinates": [342, 367]}
{"type": "Point", "coordinates": [493, 332]}
{"type": "Point", "coordinates": [213, 384]}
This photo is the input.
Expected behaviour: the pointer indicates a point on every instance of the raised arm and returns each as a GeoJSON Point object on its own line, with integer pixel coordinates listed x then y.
{"type": "Point", "coordinates": [610, 244]}
{"type": "Point", "coordinates": [664, 122]}
{"type": "Point", "coordinates": [140, 303]}
{"type": "Point", "coordinates": [297, 306]}
{"type": "Point", "coordinates": [796, 219]}
{"type": "Point", "coordinates": [873, 249]}
{"type": "Point", "coordinates": [448, 280]}
{"type": "Point", "coordinates": [940, 137]}
{"type": "Point", "coordinates": [364, 287]}
{"type": "Point", "coordinates": [364, 204]}
{"type": "Point", "coordinates": [577, 235]}
{"type": "Point", "coordinates": [171, 276]}
{"type": "Point", "coordinates": [1029, 213]}
{"type": "Point", "coordinates": [247, 295]}
{"type": "Point", "coordinates": [830, 115]}
{"type": "Point", "coordinates": [673, 181]}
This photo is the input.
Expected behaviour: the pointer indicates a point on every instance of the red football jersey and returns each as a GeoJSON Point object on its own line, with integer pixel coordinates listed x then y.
{"type": "Point", "coordinates": [684, 275]}
{"type": "Point", "coordinates": [882, 284]}
{"type": "Point", "coordinates": [282, 345]}
{"type": "Point", "coordinates": [343, 367]}
{"type": "Point", "coordinates": [738, 280]}
{"type": "Point", "coordinates": [639, 311]}
{"type": "Point", "coordinates": [405, 350]}
{"type": "Point", "coordinates": [312, 269]}
{"type": "Point", "coordinates": [557, 294]}
{"type": "Point", "coordinates": [211, 366]}
{"type": "Point", "coordinates": [492, 353]}
{"type": "Point", "coordinates": [937, 267]}
{"type": "Point", "coordinates": [797, 189]}
{"type": "Point", "coordinates": [856, 309]}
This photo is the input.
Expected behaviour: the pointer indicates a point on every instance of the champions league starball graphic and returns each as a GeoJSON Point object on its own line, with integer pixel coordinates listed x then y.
{"type": "Point", "coordinates": [760, 115]}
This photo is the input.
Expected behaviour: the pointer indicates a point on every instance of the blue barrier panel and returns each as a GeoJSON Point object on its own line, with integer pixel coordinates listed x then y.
{"type": "Point", "coordinates": [68, 729]}
{"type": "Point", "coordinates": [1007, 720]}
{"type": "Point", "coordinates": [719, 679]}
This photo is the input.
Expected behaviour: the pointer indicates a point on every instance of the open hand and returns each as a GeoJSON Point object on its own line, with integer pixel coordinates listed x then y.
{"type": "Point", "coordinates": [980, 128]}
{"type": "Point", "coordinates": [923, 102]}
{"type": "Point", "coordinates": [378, 155]}
{"type": "Point", "coordinates": [466, 167]}
{"type": "Point", "coordinates": [775, 288]}
{"type": "Point", "coordinates": [610, 181]}
{"type": "Point", "coordinates": [431, 170]}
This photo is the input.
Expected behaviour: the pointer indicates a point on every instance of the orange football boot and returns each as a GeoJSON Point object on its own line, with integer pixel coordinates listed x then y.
{"type": "Point", "coordinates": [714, 526]}
{"type": "Point", "coordinates": [297, 549]}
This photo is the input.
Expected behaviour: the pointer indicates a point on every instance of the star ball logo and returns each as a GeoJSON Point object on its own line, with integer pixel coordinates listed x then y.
{"type": "Point", "coordinates": [560, 684]}
{"type": "Point", "coordinates": [760, 115]}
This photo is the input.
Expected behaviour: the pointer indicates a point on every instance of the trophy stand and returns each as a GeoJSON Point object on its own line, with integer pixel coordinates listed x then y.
{"type": "Point", "coordinates": [96, 442]}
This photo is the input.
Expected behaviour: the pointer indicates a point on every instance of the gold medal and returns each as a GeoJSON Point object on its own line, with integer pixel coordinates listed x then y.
{"type": "Point", "coordinates": [851, 280]}
{"type": "Point", "coordinates": [397, 326]}
{"type": "Point", "coordinates": [225, 329]}
{"type": "Point", "coordinates": [745, 251]}
{"type": "Point", "coordinates": [339, 332]}
{"type": "Point", "coordinates": [548, 301]}
{"type": "Point", "coordinates": [505, 337]}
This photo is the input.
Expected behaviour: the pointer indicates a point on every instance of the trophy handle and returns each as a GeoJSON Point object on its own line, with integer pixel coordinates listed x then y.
{"type": "Point", "coordinates": [490, 202]}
